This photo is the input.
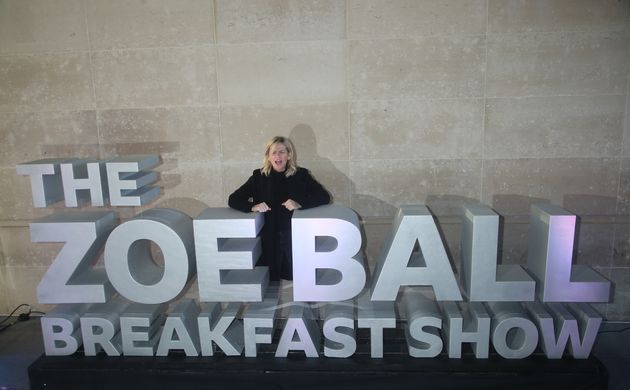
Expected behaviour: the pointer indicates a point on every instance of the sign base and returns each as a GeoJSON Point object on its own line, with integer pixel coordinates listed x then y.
{"type": "Point", "coordinates": [395, 371]}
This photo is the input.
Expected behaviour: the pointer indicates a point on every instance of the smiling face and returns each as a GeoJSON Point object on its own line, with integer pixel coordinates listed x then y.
{"type": "Point", "coordinates": [278, 156]}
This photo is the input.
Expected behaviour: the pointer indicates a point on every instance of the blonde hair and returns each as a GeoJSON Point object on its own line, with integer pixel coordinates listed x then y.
{"type": "Point", "coordinates": [291, 163]}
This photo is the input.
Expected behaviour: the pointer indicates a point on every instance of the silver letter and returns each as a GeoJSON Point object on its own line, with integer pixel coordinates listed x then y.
{"type": "Point", "coordinates": [376, 316]}
{"type": "Point", "coordinates": [220, 328]}
{"type": "Point", "coordinates": [514, 336]}
{"type": "Point", "coordinates": [129, 263]}
{"type": "Point", "coordinates": [139, 326]}
{"type": "Point", "coordinates": [550, 254]}
{"type": "Point", "coordinates": [128, 181]}
{"type": "Point", "coordinates": [259, 315]}
{"type": "Point", "coordinates": [90, 179]}
{"type": "Point", "coordinates": [106, 318]}
{"type": "Point", "coordinates": [70, 278]}
{"type": "Point", "coordinates": [482, 278]}
{"type": "Point", "coordinates": [586, 325]}
{"type": "Point", "coordinates": [227, 249]}
{"type": "Point", "coordinates": [301, 323]}
{"type": "Point", "coordinates": [340, 339]}
{"type": "Point", "coordinates": [45, 176]}
{"type": "Point", "coordinates": [327, 263]}
{"type": "Point", "coordinates": [475, 331]}
{"type": "Point", "coordinates": [422, 313]}
{"type": "Point", "coordinates": [430, 268]}
{"type": "Point", "coordinates": [59, 329]}
{"type": "Point", "coordinates": [179, 330]}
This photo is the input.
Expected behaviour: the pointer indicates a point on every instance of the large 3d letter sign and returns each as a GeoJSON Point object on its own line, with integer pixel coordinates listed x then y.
{"type": "Point", "coordinates": [121, 308]}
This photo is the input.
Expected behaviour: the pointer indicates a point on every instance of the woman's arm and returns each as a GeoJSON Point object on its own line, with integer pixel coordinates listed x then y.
{"type": "Point", "coordinates": [241, 198]}
{"type": "Point", "coordinates": [315, 194]}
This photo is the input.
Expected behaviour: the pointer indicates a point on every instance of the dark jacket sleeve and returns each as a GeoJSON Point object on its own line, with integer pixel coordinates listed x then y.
{"type": "Point", "coordinates": [241, 199]}
{"type": "Point", "coordinates": [314, 195]}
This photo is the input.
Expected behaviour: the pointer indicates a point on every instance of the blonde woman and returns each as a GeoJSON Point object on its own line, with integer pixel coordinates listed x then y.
{"type": "Point", "coordinates": [277, 189]}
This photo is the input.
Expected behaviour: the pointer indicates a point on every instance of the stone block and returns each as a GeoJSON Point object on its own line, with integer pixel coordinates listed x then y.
{"type": "Point", "coordinates": [407, 18]}
{"type": "Point", "coordinates": [318, 131]}
{"type": "Point", "coordinates": [190, 188]}
{"type": "Point", "coordinates": [562, 63]}
{"type": "Point", "coordinates": [621, 245]}
{"type": "Point", "coordinates": [121, 24]}
{"type": "Point", "coordinates": [381, 186]}
{"type": "Point", "coordinates": [21, 286]}
{"type": "Point", "coordinates": [41, 26]}
{"type": "Point", "coordinates": [558, 126]}
{"type": "Point", "coordinates": [282, 72]}
{"type": "Point", "coordinates": [514, 16]}
{"type": "Point", "coordinates": [28, 137]}
{"type": "Point", "coordinates": [623, 201]}
{"type": "Point", "coordinates": [19, 251]}
{"type": "Point", "coordinates": [619, 309]}
{"type": "Point", "coordinates": [185, 134]}
{"type": "Point", "coordinates": [46, 82]}
{"type": "Point", "coordinates": [155, 77]}
{"type": "Point", "coordinates": [284, 20]}
{"type": "Point", "coordinates": [584, 186]}
{"type": "Point", "coordinates": [417, 129]}
{"type": "Point", "coordinates": [426, 67]}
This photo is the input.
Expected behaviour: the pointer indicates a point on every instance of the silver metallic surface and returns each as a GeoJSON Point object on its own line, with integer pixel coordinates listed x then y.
{"type": "Point", "coordinates": [139, 329]}
{"type": "Point", "coordinates": [376, 316]}
{"type": "Point", "coordinates": [328, 265]}
{"type": "Point", "coordinates": [227, 250]}
{"type": "Point", "coordinates": [86, 176]}
{"type": "Point", "coordinates": [470, 326]}
{"type": "Point", "coordinates": [550, 258]}
{"type": "Point", "coordinates": [45, 175]}
{"type": "Point", "coordinates": [558, 324]}
{"type": "Point", "coordinates": [259, 316]}
{"type": "Point", "coordinates": [483, 280]}
{"type": "Point", "coordinates": [394, 267]}
{"type": "Point", "coordinates": [514, 335]}
{"type": "Point", "coordinates": [100, 328]}
{"type": "Point", "coordinates": [422, 329]}
{"type": "Point", "coordinates": [130, 265]}
{"type": "Point", "coordinates": [339, 330]}
{"type": "Point", "coordinates": [220, 328]}
{"type": "Point", "coordinates": [300, 333]}
{"type": "Point", "coordinates": [128, 180]}
{"type": "Point", "coordinates": [60, 329]}
{"type": "Point", "coordinates": [180, 330]}
{"type": "Point", "coordinates": [71, 277]}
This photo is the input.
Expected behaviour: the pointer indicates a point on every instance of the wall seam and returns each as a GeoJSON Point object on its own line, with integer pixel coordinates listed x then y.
{"type": "Point", "coordinates": [485, 104]}
{"type": "Point", "coordinates": [95, 105]}
{"type": "Point", "coordinates": [215, 23]}
{"type": "Point", "coordinates": [348, 102]}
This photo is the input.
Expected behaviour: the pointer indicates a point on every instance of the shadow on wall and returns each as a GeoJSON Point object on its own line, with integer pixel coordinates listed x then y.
{"type": "Point", "coordinates": [509, 205]}
{"type": "Point", "coordinates": [585, 204]}
{"type": "Point", "coordinates": [303, 136]}
{"type": "Point", "coordinates": [580, 204]}
{"type": "Point", "coordinates": [167, 181]}
{"type": "Point", "coordinates": [378, 221]}
{"type": "Point", "coordinates": [305, 141]}
{"type": "Point", "coordinates": [65, 150]}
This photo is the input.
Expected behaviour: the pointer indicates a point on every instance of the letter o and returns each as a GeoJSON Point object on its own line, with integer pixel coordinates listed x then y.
{"type": "Point", "coordinates": [130, 266]}
{"type": "Point", "coordinates": [515, 337]}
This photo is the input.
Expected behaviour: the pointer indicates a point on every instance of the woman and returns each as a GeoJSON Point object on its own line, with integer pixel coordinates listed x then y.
{"type": "Point", "coordinates": [276, 189]}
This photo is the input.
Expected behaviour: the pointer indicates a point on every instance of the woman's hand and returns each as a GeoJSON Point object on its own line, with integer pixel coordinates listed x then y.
{"type": "Point", "coordinates": [261, 207]}
{"type": "Point", "coordinates": [291, 205]}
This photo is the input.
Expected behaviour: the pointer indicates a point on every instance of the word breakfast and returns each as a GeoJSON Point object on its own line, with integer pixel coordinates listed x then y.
{"type": "Point", "coordinates": [121, 308]}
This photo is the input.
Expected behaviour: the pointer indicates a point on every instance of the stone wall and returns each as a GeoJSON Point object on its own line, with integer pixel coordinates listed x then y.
{"type": "Point", "coordinates": [389, 102]}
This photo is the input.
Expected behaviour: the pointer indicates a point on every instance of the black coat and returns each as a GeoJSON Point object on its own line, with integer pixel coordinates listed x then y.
{"type": "Point", "coordinates": [301, 187]}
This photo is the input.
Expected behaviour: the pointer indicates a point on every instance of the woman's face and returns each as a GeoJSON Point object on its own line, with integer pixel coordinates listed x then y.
{"type": "Point", "coordinates": [278, 157]}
